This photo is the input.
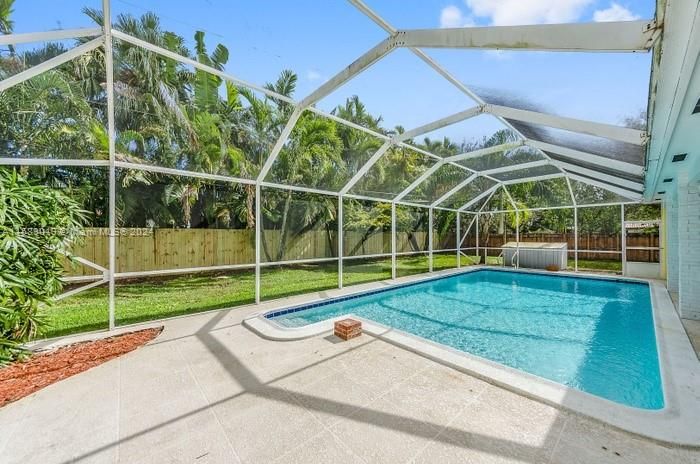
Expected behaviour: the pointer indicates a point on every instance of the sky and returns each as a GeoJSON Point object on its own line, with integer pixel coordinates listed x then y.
{"type": "Point", "coordinates": [317, 39]}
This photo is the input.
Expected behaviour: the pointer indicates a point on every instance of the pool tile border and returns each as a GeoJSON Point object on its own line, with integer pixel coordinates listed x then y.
{"type": "Point", "coordinates": [304, 306]}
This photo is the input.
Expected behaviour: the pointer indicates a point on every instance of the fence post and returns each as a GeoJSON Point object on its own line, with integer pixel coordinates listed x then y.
{"type": "Point", "coordinates": [393, 240]}
{"type": "Point", "coordinates": [517, 239]}
{"type": "Point", "coordinates": [575, 239]}
{"type": "Point", "coordinates": [340, 241]}
{"type": "Point", "coordinates": [478, 257]}
{"type": "Point", "coordinates": [459, 240]}
{"type": "Point", "coordinates": [430, 239]}
{"type": "Point", "coordinates": [623, 235]}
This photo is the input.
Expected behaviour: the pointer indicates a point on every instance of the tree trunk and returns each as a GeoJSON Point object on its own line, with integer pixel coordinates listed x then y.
{"type": "Point", "coordinates": [329, 236]}
{"type": "Point", "coordinates": [285, 214]}
{"type": "Point", "coordinates": [250, 206]}
{"type": "Point", "coordinates": [263, 242]}
{"type": "Point", "coordinates": [366, 235]}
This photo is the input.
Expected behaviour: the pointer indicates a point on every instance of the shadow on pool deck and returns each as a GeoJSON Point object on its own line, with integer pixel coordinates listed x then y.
{"type": "Point", "coordinates": [434, 432]}
{"type": "Point", "coordinates": [209, 386]}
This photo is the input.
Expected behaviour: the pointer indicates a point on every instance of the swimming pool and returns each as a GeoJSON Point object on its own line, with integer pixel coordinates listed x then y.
{"type": "Point", "coordinates": [594, 335]}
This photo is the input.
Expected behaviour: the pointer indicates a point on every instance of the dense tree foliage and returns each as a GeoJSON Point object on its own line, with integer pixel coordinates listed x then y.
{"type": "Point", "coordinates": [171, 115]}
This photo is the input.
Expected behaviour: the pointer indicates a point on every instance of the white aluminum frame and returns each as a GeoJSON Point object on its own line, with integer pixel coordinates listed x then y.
{"type": "Point", "coordinates": [46, 36]}
{"type": "Point", "coordinates": [589, 158]}
{"type": "Point", "coordinates": [613, 180]}
{"type": "Point", "coordinates": [622, 134]}
{"type": "Point", "coordinates": [623, 36]}
{"type": "Point", "coordinates": [627, 36]}
{"type": "Point", "coordinates": [112, 136]}
{"type": "Point", "coordinates": [51, 63]}
{"type": "Point", "coordinates": [516, 167]}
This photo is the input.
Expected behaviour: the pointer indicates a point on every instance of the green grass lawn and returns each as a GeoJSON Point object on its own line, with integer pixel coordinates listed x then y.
{"type": "Point", "coordinates": [596, 265]}
{"type": "Point", "coordinates": [138, 301]}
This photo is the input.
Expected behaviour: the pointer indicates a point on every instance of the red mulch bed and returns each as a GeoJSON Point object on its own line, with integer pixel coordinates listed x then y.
{"type": "Point", "coordinates": [42, 369]}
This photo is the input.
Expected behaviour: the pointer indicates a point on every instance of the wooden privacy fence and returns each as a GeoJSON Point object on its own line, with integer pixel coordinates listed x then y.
{"type": "Point", "coordinates": [602, 242]}
{"type": "Point", "coordinates": [160, 249]}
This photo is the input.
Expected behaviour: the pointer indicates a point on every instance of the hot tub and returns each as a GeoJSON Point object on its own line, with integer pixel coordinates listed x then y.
{"type": "Point", "coordinates": [536, 255]}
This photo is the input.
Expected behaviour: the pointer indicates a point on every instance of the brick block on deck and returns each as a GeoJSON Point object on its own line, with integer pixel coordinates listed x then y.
{"type": "Point", "coordinates": [347, 329]}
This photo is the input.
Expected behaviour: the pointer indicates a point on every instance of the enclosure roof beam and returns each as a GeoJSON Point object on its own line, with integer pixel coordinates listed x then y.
{"type": "Point", "coordinates": [487, 201]}
{"type": "Point", "coordinates": [51, 63]}
{"type": "Point", "coordinates": [378, 20]}
{"type": "Point", "coordinates": [614, 180]}
{"type": "Point", "coordinates": [483, 194]}
{"type": "Point", "coordinates": [298, 188]}
{"type": "Point", "coordinates": [522, 180]}
{"type": "Point", "coordinates": [366, 167]}
{"type": "Point", "coordinates": [602, 161]}
{"type": "Point", "coordinates": [182, 172]}
{"type": "Point", "coordinates": [367, 11]}
{"type": "Point", "coordinates": [609, 131]}
{"type": "Point", "coordinates": [484, 151]}
{"type": "Point", "coordinates": [451, 159]}
{"type": "Point", "coordinates": [454, 190]}
{"type": "Point", "coordinates": [622, 36]}
{"type": "Point", "coordinates": [571, 207]}
{"type": "Point", "coordinates": [516, 167]}
{"type": "Point", "coordinates": [279, 144]}
{"type": "Point", "coordinates": [440, 123]}
{"type": "Point", "coordinates": [419, 180]}
{"type": "Point", "coordinates": [345, 122]}
{"type": "Point", "coordinates": [434, 156]}
{"type": "Point", "coordinates": [571, 191]}
{"type": "Point", "coordinates": [197, 65]}
{"type": "Point", "coordinates": [510, 198]}
{"type": "Point", "coordinates": [370, 57]}
{"type": "Point", "coordinates": [46, 36]}
{"type": "Point", "coordinates": [617, 190]}
{"type": "Point", "coordinates": [230, 78]}
{"type": "Point", "coordinates": [51, 162]}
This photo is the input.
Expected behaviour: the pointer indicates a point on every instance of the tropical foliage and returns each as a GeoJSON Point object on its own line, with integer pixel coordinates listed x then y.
{"type": "Point", "coordinates": [37, 226]}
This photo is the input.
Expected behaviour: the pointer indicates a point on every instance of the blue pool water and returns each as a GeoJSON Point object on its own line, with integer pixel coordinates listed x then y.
{"type": "Point", "coordinates": [593, 335]}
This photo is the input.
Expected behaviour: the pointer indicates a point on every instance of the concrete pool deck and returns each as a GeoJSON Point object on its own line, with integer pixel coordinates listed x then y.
{"type": "Point", "coordinates": [208, 390]}
{"type": "Point", "coordinates": [676, 423]}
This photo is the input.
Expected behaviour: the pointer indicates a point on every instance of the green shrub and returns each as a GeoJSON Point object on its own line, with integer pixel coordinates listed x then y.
{"type": "Point", "coordinates": [37, 225]}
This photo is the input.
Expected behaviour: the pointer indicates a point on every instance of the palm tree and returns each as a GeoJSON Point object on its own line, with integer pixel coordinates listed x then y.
{"type": "Point", "coordinates": [312, 157]}
{"type": "Point", "coordinates": [356, 111]}
{"type": "Point", "coordinates": [6, 24]}
{"type": "Point", "coordinates": [149, 88]}
{"type": "Point", "coordinates": [358, 146]}
{"type": "Point", "coordinates": [46, 116]}
{"type": "Point", "coordinates": [256, 128]}
{"type": "Point", "coordinates": [186, 195]}
{"type": "Point", "coordinates": [442, 148]}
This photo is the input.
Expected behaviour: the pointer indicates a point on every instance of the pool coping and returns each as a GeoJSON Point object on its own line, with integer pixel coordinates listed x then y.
{"type": "Point", "coordinates": [676, 423]}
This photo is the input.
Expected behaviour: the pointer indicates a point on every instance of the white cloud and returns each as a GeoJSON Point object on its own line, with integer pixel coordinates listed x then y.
{"type": "Point", "coordinates": [452, 16]}
{"type": "Point", "coordinates": [512, 12]}
{"type": "Point", "coordinates": [616, 12]}
{"type": "Point", "coordinates": [313, 75]}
